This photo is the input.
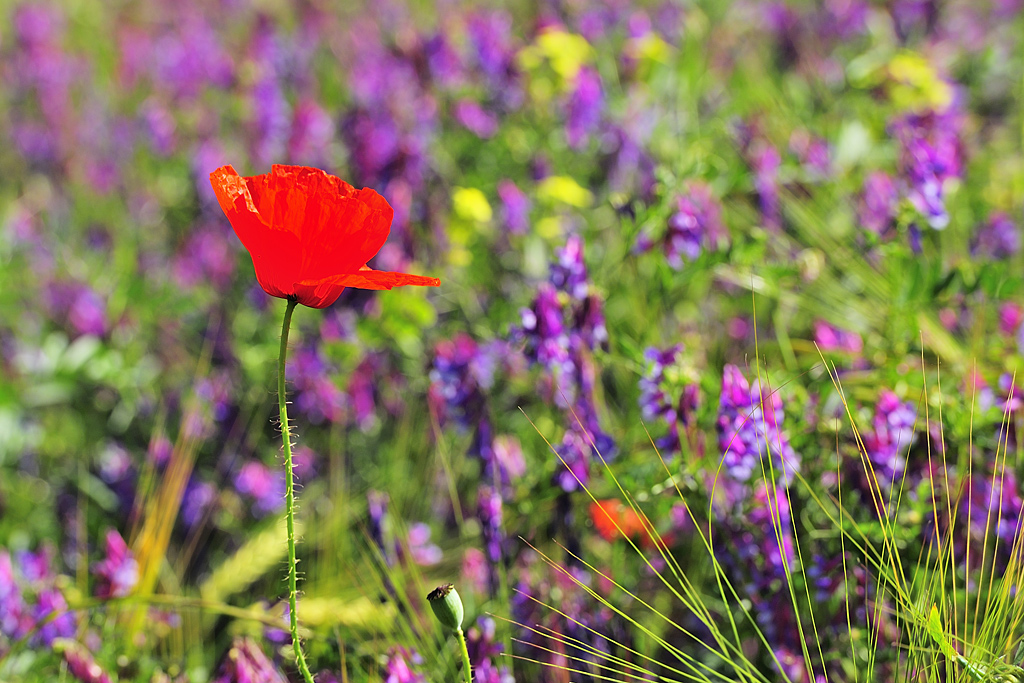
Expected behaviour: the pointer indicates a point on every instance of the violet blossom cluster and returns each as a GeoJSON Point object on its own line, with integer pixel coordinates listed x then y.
{"type": "Point", "coordinates": [830, 338]}
{"type": "Point", "coordinates": [750, 428]}
{"type": "Point", "coordinates": [118, 572]}
{"type": "Point", "coordinates": [998, 238]}
{"type": "Point", "coordinates": [990, 508]}
{"type": "Point", "coordinates": [889, 439]}
{"type": "Point", "coordinates": [403, 666]}
{"type": "Point", "coordinates": [463, 372]}
{"type": "Point", "coordinates": [246, 662]}
{"type": "Point", "coordinates": [31, 603]}
{"type": "Point", "coordinates": [666, 394]}
{"type": "Point", "coordinates": [931, 157]}
{"type": "Point", "coordinates": [81, 663]}
{"type": "Point", "coordinates": [316, 396]}
{"type": "Point", "coordinates": [878, 204]}
{"type": "Point", "coordinates": [485, 650]}
{"type": "Point", "coordinates": [758, 551]}
{"type": "Point", "coordinates": [693, 228]}
{"type": "Point", "coordinates": [765, 162]}
{"type": "Point", "coordinates": [263, 486]}
{"type": "Point", "coordinates": [515, 207]}
{"type": "Point", "coordinates": [572, 629]}
{"type": "Point", "coordinates": [559, 332]}
{"type": "Point", "coordinates": [584, 107]}
{"type": "Point", "coordinates": [489, 512]}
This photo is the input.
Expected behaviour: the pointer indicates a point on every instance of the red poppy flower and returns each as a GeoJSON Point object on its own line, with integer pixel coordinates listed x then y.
{"type": "Point", "coordinates": [611, 517]}
{"type": "Point", "coordinates": [309, 234]}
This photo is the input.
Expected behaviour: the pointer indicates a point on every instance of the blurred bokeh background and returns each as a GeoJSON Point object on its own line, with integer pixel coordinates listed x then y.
{"type": "Point", "coordinates": [657, 216]}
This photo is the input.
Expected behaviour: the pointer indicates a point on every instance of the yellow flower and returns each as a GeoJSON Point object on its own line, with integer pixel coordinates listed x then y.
{"type": "Point", "coordinates": [915, 85]}
{"type": "Point", "coordinates": [561, 188]}
{"type": "Point", "coordinates": [470, 204]}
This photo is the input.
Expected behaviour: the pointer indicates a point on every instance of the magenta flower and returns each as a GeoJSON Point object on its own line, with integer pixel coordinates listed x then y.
{"type": "Point", "coordinates": [118, 573]}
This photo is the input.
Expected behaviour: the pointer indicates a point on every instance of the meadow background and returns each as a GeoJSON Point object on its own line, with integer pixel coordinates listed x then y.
{"type": "Point", "coordinates": [687, 218]}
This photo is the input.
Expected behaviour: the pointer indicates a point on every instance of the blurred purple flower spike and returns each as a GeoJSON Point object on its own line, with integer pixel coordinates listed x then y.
{"type": "Point", "coordinates": [585, 107]}
{"type": "Point", "coordinates": [246, 663]}
{"type": "Point", "coordinates": [749, 428]}
{"type": "Point", "coordinates": [118, 573]}
{"type": "Point", "coordinates": [515, 207]}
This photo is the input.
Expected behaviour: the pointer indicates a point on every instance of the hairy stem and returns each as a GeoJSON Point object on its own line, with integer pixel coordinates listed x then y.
{"type": "Point", "coordinates": [466, 667]}
{"type": "Point", "coordinates": [289, 498]}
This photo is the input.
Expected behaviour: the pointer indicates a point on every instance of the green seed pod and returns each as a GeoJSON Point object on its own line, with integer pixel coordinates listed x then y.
{"type": "Point", "coordinates": [447, 606]}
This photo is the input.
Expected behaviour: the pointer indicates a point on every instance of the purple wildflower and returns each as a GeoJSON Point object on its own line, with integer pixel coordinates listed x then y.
{"type": "Point", "coordinates": [568, 272]}
{"type": "Point", "coordinates": [403, 667]}
{"type": "Point", "coordinates": [766, 161]}
{"type": "Point", "coordinates": [454, 380]}
{"type": "Point", "coordinates": [494, 50]}
{"type": "Point", "coordinates": [999, 238]}
{"type": "Point", "coordinates": [489, 511]}
{"type": "Point", "coordinates": [462, 371]}
{"type": "Point", "coordinates": [749, 427]}
{"type": "Point", "coordinates": [762, 555]}
{"type": "Point", "coordinates": [15, 620]}
{"type": "Point", "coordinates": [588, 324]}
{"type": "Point", "coordinates": [991, 507]}
{"type": "Point", "coordinates": [542, 327]}
{"type": "Point", "coordinates": [889, 439]}
{"type": "Point", "coordinates": [575, 454]}
{"type": "Point", "coordinates": [476, 570]}
{"type": "Point", "coordinates": [665, 395]}
{"type": "Point", "coordinates": [246, 663]}
{"type": "Point", "coordinates": [508, 453]}
{"type": "Point", "coordinates": [424, 553]}
{"type": "Point", "coordinates": [878, 203]}
{"type": "Point", "coordinates": [842, 20]}
{"type": "Point", "coordinates": [484, 650]}
{"type": "Point", "coordinates": [515, 207]}
{"type": "Point", "coordinates": [52, 617]}
{"type": "Point", "coordinates": [316, 395]}
{"type": "Point", "coordinates": [36, 566]}
{"type": "Point", "coordinates": [270, 125]}
{"type": "Point", "coordinates": [631, 167]}
{"type": "Point", "coordinates": [443, 61]}
{"type": "Point", "coordinates": [377, 509]}
{"type": "Point", "coordinates": [829, 338]}
{"type": "Point", "coordinates": [584, 107]}
{"type": "Point", "coordinates": [362, 392]}
{"type": "Point", "coordinates": [695, 226]}
{"type": "Point", "coordinates": [263, 485]}
{"type": "Point", "coordinates": [1013, 397]}
{"type": "Point", "coordinates": [813, 153]}
{"type": "Point", "coordinates": [476, 119]}
{"type": "Point", "coordinates": [930, 158]}
{"type": "Point", "coordinates": [160, 126]}
{"type": "Point", "coordinates": [80, 306]}
{"type": "Point", "coordinates": [911, 16]}
{"type": "Point", "coordinates": [81, 664]}
{"type": "Point", "coordinates": [118, 573]}
{"type": "Point", "coordinates": [199, 496]}
{"type": "Point", "coordinates": [189, 58]}
{"type": "Point", "coordinates": [207, 256]}
{"type": "Point", "coordinates": [312, 132]}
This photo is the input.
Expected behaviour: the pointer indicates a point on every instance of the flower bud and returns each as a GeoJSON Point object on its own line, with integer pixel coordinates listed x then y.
{"type": "Point", "coordinates": [447, 606]}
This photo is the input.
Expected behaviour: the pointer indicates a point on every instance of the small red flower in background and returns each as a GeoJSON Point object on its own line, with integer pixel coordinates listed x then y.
{"type": "Point", "coordinates": [606, 514]}
{"type": "Point", "coordinates": [309, 234]}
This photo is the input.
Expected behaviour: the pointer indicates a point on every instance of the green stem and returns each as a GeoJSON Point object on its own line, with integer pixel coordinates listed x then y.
{"type": "Point", "coordinates": [466, 667]}
{"type": "Point", "coordinates": [289, 497]}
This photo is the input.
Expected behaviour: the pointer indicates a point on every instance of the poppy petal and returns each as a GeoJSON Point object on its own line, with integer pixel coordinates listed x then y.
{"type": "Point", "coordinates": [340, 227]}
{"type": "Point", "coordinates": [274, 253]}
{"type": "Point", "coordinates": [322, 293]}
{"type": "Point", "coordinates": [308, 232]}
